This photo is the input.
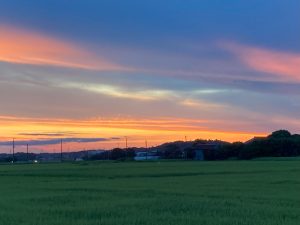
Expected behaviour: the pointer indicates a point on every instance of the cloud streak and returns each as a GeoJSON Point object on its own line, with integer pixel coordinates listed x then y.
{"type": "Point", "coordinates": [41, 142]}
{"type": "Point", "coordinates": [27, 47]}
{"type": "Point", "coordinates": [283, 64]}
{"type": "Point", "coordinates": [54, 134]}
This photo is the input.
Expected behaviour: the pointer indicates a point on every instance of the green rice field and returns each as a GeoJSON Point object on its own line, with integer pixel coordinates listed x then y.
{"type": "Point", "coordinates": [262, 192]}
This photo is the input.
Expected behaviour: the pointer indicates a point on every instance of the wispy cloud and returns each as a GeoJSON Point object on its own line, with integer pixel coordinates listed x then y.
{"type": "Point", "coordinates": [54, 134]}
{"type": "Point", "coordinates": [41, 142]}
{"type": "Point", "coordinates": [29, 47]}
{"type": "Point", "coordinates": [119, 92]}
{"type": "Point", "coordinates": [284, 65]}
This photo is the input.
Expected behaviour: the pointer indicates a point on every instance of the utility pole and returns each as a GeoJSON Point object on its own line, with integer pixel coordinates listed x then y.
{"type": "Point", "coordinates": [146, 144]}
{"type": "Point", "coordinates": [126, 147]}
{"type": "Point", "coordinates": [61, 150]}
{"type": "Point", "coordinates": [13, 152]}
{"type": "Point", "coordinates": [27, 156]}
{"type": "Point", "coordinates": [185, 152]}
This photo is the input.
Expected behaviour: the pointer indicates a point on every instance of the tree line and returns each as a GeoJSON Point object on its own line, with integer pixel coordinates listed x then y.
{"type": "Point", "coordinates": [280, 143]}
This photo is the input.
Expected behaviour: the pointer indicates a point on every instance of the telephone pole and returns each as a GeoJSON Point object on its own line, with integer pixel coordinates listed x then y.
{"type": "Point", "coordinates": [146, 145]}
{"type": "Point", "coordinates": [126, 142]}
{"type": "Point", "coordinates": [126, 147]}
{"type": "Point", "coordinates": [61, 150]}
{"type": "Point", "coordinates": [27, 156]}
{"type": "Point", "coordinates": [185, 152]}
{"type": "Point", "coordinates": [13, 151]}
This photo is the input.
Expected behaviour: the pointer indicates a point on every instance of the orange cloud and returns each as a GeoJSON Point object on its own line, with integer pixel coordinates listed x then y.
{"type": "Point", "coordinates": [27, 47]}
{"type": "Point", "coordinates": [284, 64]}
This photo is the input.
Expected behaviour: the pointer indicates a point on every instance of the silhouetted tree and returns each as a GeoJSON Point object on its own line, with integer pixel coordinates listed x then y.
{"type": "Point", "coordinates": [280, 134]}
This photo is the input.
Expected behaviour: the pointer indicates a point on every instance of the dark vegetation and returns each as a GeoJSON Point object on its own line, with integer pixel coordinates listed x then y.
{"type": "Point", "coordinates": [115, 154]}
{"type": "Point", "coordinates": [278, 144]}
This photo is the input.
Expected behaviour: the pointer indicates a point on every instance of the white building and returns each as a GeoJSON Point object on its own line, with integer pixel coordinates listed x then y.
{"type": "Point", "coordinates": [141, 156]}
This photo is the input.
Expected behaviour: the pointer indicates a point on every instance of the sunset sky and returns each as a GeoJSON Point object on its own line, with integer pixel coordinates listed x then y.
{"type": "Point", "coordinates": [91, 72]}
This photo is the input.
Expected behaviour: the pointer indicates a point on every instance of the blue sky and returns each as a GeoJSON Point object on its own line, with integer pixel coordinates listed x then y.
{"type": "Point", "coordinates": [232, 64]}
{"type": "Point", "coordinates": [270, 23]}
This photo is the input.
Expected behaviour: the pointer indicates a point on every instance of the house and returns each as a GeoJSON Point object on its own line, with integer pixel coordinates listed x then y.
{"type": "Point", "coordinates": [202, 148]}
{"type": "Point", "coordinates": [142, 156]}
{"type": "Point", "coordinates": [199, 155]}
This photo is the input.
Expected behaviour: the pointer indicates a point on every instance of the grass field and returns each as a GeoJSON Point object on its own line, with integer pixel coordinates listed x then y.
{"type": "Point", "coordinates": [159, 193]}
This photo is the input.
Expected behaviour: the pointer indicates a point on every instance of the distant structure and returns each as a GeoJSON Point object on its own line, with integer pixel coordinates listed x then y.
{"type": "Point", "coordinates": [142, 156]}
{"type": "Point", "coordinates": [201, 148]}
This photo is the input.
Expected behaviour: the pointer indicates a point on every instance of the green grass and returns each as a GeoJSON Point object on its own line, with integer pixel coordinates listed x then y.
{"type": "Point", "coordinates": [158, 193]}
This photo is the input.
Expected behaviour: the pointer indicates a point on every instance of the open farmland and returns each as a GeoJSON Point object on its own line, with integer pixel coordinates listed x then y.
{"type": "Point", "coordinates": [157, 193]}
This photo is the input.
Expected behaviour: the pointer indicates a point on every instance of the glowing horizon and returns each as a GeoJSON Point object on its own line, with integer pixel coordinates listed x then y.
{"type": "Point", "coordinates": [137, 131]}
